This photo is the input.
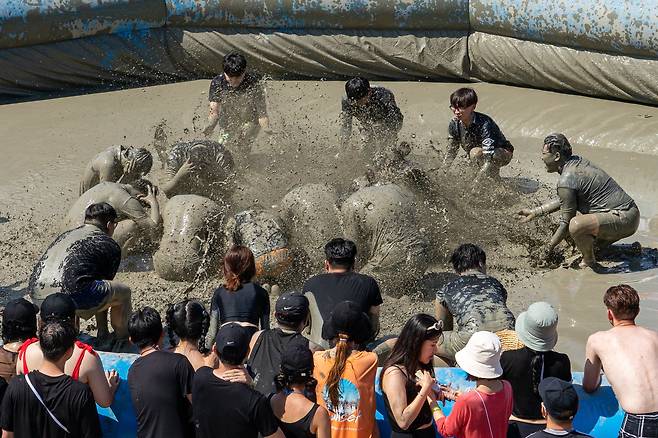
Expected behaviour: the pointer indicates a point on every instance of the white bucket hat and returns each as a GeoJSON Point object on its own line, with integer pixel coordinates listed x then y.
{"type": "Point", "coordinates": [537, 327]}
{"type": "Point", "coordinates": [481, 356]}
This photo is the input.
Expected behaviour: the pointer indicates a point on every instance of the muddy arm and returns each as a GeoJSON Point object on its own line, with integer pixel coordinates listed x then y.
{"type": "Point", "coordinates": [548, 208]}
{"type": "Point", "coordinates": [345, 123]}
{"type": "Point", "coordinates": [87, 179]}
{"type": "Point", "coordinates": [213, 118]}
{"type": "Point", "coordinates": [568, 205]}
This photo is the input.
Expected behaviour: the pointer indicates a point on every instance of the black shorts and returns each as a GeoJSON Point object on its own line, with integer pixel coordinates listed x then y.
{"type": "Point", "coordinates": [639, 426]}
{"type": "Point", "coordinates": [93, 298]}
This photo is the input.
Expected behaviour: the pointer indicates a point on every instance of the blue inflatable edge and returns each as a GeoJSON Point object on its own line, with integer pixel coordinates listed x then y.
{"type": "Point", "coordinates": [599, 414]}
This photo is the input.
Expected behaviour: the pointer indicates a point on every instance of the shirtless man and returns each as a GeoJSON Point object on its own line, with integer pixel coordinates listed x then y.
{"type": "Point", "coordinates": [629, 355]}
{"type": "Point", "coordinates": [137, 208]}
{"type": "Point", "coordinates": [116, 164]}
{"type": "Point", "coordinates": [191, 236]}
{"type": "Point", "coordinates": [607, 213]}
{"type": "Point", "coordinates": [381, 219]}
{"type": "Point", "coordinates": [199, 167]}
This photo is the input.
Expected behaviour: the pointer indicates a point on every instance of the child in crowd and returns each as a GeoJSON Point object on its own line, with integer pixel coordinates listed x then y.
{"type": "Point", "coordinates": [189, 321]}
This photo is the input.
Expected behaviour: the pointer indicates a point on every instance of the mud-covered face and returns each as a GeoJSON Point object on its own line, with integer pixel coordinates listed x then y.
{"type": "Point", "coordinates": [363, 101]}
{"type": "Point", "coordinates": [550, 159]}
{"type": "Point", "coordinates": [234, 81]}
{"type": "Point", "coordinates": [463, 114]}
{"type": "Point", "coordinates": [427, 351]}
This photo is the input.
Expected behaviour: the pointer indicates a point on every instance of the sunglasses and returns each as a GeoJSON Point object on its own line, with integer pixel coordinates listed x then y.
{"type": "Point", "coordinates": [437, 327]}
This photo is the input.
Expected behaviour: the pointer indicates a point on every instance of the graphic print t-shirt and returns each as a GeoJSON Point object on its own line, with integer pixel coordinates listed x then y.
{"type": "Point", "coordinates": [354, 417]}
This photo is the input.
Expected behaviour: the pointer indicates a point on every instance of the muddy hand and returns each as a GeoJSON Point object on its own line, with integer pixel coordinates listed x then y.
{"type": "Point", "coordinates": [525, 215]}
{"type": "Point", "coordinates": [187, 168]}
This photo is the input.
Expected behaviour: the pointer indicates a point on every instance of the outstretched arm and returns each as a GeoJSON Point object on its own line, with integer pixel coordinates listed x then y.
{"type": "Point", "coordinates": [528, 214]}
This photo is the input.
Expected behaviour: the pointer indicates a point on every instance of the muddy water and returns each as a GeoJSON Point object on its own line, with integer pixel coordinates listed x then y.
{"type": "Point", "coordinates": [46, 144]}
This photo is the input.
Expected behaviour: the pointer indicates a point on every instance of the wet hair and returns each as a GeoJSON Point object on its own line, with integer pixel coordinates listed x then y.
{"type": "Point", "coordinates": [463, 98]}
{"type": "Point", "coordinates": [13, 330]}
{"type": "Point", "coordinates": [468, 256]}
{"type": "Point", "coordinates": [409, 344]}
{"type": "Point", "coordinates": [535, 369]}
{"type": "Point", "coordinates": [239, 267]}
{"type": "Point", "coordinates": [141, 185]}
{"type": "Point", "coordinates": [143, 159]}
{"type": "Point", "coordinates": [145, 327]}
{"type": "Point", "coordinates": [55, 339]}
{"type": "Point", "coordinates": [189, 320]}
{"type": "Point", "coordinates": [100, 214]}
{"type": "Point", "coordinates": [623, 301]}
{"type": "Point", "coordinates": [235, 64]}
{"type": "Point", "coordinates": [558, 143]}
{"type": "Point", "coordinates": [340, 253]}
{"type": "Point", "coordinates": [357, 88]}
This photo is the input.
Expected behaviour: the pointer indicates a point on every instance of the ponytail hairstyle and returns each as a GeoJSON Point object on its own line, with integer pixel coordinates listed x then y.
{"type": "Point", "coordinates": [343, 351]}
{"type": "Point", "coordinates": [239, 267]}
{"type": "Point", "coordinates": [536, 365]}
{"type": "Point", "coordinates": [188, 320]}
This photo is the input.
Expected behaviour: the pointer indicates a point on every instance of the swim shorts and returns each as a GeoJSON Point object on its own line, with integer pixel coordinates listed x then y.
{"type": "Point", "coordinates": [639, 426]}
{"type": "Point", "coordinates": [617, 224]}
{"type": "Point", "coordinates": [273, 263]}
{"type": "Point", "coordinates": [93, 299]}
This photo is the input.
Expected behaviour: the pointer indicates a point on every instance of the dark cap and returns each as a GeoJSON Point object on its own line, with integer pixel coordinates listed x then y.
{"type": "Point", "coordinates": [297, 358]}
{"type": "Point", "coordinates": [559, 397]}
{"type": "Point", "coordinates": [232, 342]}
{"type": "Point", "coordinates": [347, 318]}
{"type": "Point", "coordinates": [20, 310]}
{"type": "Point", "coordinates": [58, 306]}
{"type": "Point", "coordinates": [291, 308]}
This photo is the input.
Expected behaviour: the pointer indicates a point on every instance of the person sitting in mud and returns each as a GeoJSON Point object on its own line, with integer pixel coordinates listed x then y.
{"type": "Point", "coordinates": [82, 263]}
{"type": "Point", "coordinates": [607, 212]}
{"type": "Point", "coordinates": [237, 104]}
{"type": "Point", "coordinates": [116, 164]}
{"type": "Point", "coordinates": [628, 354]}
{"type": "Point", "coordinates": [191, 239]}
{"type": "Point", "coordinates": [137, 208]}
{"type": "Point", "coordinates": [477, 134]}
{"type": "Point", "coordinates": [376, 111]}
{"type": "Point", "coordinates": [200, 167]}
{"type": "Point", "coordinates": [381, 220]}
{"type": "Point", "coordinates": [261, 233]}
{"type": "Point", "coordinates": [470, 303]}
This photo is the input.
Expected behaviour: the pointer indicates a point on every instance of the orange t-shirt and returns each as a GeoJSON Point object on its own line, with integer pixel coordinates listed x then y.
{"type": "Point", "coordinates": [354, 417]}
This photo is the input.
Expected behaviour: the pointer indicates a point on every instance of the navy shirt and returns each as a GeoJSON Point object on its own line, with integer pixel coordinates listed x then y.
{"type": "Point", "coordinates": [483, 132]}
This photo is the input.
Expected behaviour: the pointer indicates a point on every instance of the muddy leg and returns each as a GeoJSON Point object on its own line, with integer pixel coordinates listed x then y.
{"type": "Point", "coordinates": [102, 330]}
{"type": "Point", "coordinates": [121, 308]}
{"type": "Point", "coordinates": [583, 229]}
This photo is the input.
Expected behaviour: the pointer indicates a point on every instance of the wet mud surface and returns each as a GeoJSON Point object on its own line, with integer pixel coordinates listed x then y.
{"type": "Point", "coordinates": [47, 144]}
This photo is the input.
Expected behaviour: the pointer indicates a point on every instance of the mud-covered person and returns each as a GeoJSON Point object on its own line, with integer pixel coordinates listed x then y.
{"type": "Point", "coordinates": [607, 212]}
{"type": "Point", "coordinates": [237, 104]}
{"type": "Point", "coordinates": [116, 164]}
{"type": "Point", "coordinates": [377, 112]}
{"type": "Point", "coordinates": [82, 263]}
{"type": "Point", "coordinates": [628, 354]}
{"type": "Point", "coordinates": [477, 134]}
{"type": "Point", "coordinates": [199, 167]}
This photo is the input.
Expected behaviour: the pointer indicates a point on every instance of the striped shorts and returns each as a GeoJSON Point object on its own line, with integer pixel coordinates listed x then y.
{"type": "Point", "coordinates": [639, 426]}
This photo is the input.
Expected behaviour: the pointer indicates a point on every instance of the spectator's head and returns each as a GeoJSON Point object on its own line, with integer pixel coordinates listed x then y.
{"type": "Point", "coordinates": [19, 321]}
{"type": "Point", "coordinates": [188, 320]}
{"type": "Point", "coordinates": [555, 151]}
{"type": "Point", "coordinates": [239, 267]}
{"type": "Point", "coordinates": [469, 257]}
{"type": "Point", "coordinates": [235, 66]}
{"type": "Point", "coordinates": [232, 344]}
{"type": "Point", "coordinates": [358, 90]}
{"type": "Point", "coordinates": [622, 302]}
{"type": "Point", "coordinates": [559, 400]}
{"type": "Point", "coordinates": [296, 368]}
{"type": "Point", "coordinates": [414, 348]}
{"type": "Point", "coordinates": [143, 161]}
{"type": "Point", "coordinates": [102, 215]}
{"type": "Point", "coordinates": [145, 328]}
{"type": "Point", "coordinates": [340, 255]}
{"type": "Point", "coordinates": [58, 307]}
{"type": "Point", "coordinates": [56, 340]}
{"type": "Point", "coordinates": [480, 358]}
{"type": "Point", "coordinates": [291, 311]}
{"type": "Point", "coordinates": [347, 327]}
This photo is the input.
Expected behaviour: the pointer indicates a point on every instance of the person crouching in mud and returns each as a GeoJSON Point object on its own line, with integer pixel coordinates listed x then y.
{"type": "Point", "coordinates": [261, 233]}
{"type": "Point", "coordinates": [116, 164]}
{"type": "Point", "coordinates": [477, 134]}
{"type": "Point", "coordinates": [607, 212]}
{"type": "Point", "coordinates": [237, 104]}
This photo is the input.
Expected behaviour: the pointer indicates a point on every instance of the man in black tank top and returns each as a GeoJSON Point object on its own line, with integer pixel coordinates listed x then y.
{"type": "Point", "coordinates": [266, 347]}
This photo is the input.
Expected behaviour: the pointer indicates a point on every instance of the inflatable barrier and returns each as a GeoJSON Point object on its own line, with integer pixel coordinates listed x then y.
{"type": "Point", "coordinates": [599, 414]}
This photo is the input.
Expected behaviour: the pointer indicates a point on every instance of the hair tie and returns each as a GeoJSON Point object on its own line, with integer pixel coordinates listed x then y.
{"type": "Point", "coordinates": [343, 337]}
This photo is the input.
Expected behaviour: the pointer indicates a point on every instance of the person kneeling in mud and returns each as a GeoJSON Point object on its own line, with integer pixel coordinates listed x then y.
{"type": "Point", "coordinates": [116, 164]}
{"type": "Point", "coordinates": [477, 134]}
{"type": "Point", "coordinates": [137, 208]}
{"type": "Point", "coordinates": [607, 212]}
{"type": "Point", "coordinates": [376, 111]}
{"type": "Point", "coordinates": [82, 263]}
{"type": "Point", "coordinates": [191, 239]}
{"type": "Point", "coordinates": [381, 220]}
{"type": "Point", "coordinates": [199, 167]}
{"type": "Point", "coordinates": [237, 104]}
{"type": "Point", "coordinates": [261, 233]}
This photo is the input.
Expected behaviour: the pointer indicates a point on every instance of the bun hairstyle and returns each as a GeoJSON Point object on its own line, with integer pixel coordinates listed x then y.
{"type": "Point", "coordinates": [286, 378]}
{"type": "Point", "coordinates": [239, 267]}
{"type": "Point", "coordinates": [188, 320]}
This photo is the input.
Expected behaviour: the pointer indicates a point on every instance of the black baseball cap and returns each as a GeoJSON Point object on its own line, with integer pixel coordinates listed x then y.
{"type": "Point", "coordinates": [232, 342]}
{"type": "Point", "coordinates": [291, 308]}
{"type": "Point", "coordinates": [348, 318]}
{"type": "Point", "coordinates": [58, 306]}
{"type": "Point", "coordinates": [297, 358]}
{"type": "Point", "coordinates": [20, 310]}
{"type": "Point", "coordinates": [559, 397]}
